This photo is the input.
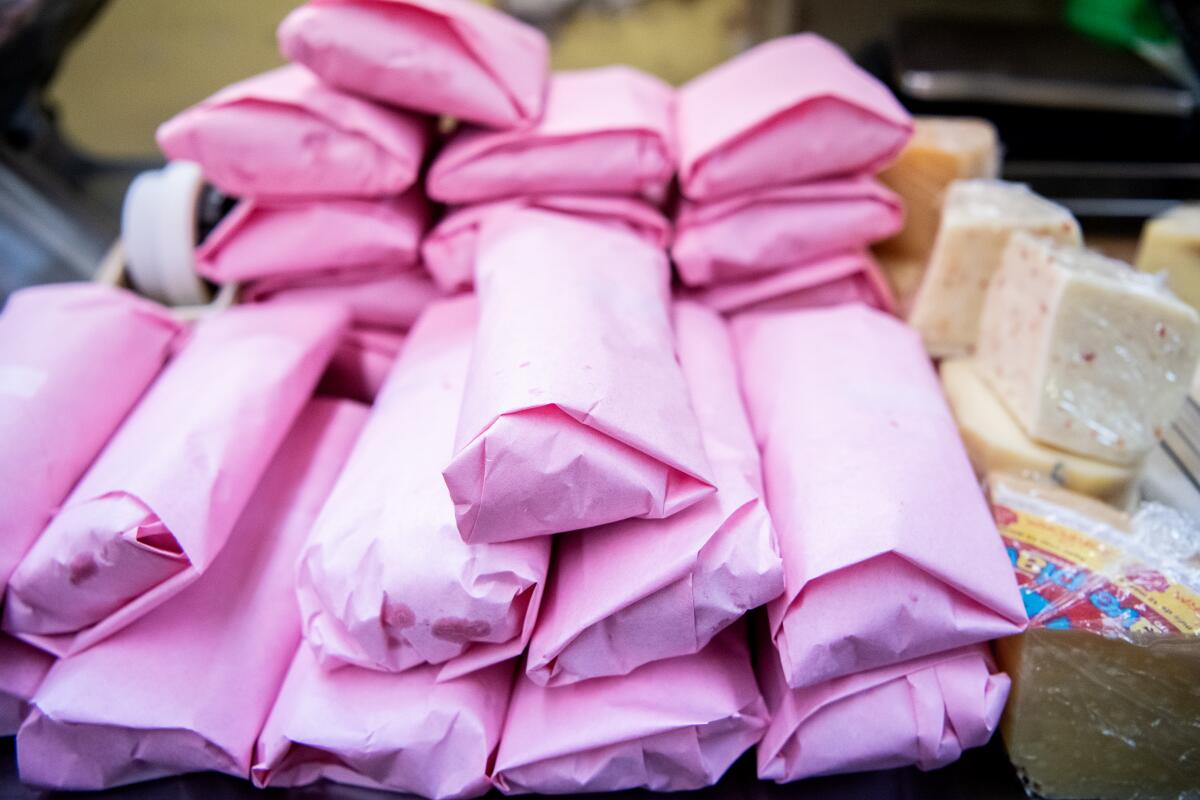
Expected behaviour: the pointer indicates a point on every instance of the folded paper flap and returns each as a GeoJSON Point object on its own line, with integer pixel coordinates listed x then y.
{"type": "Point", "coordinates": [22, 667]}
{"type": "Point", "coordinates": [402, 135]}
{"type": "Point", "coordinates": [854, 189]}
{"type": "Point", "coordinates": [706, 687]}
{"type": "Point", "coordinates": [254, 368]}
{"type": "Point", "coordinates": [630, 210]}
{"type": "Point", "coordinates": [569, 279]}
{"type": "Point", "coordinates": [735, 100]}
{"type": "Point", "coordinates": [392, 302]}
{"type": "Point", "coordinates": [482, 654]}
{"type": "Point", "coordinates": [803, 276]}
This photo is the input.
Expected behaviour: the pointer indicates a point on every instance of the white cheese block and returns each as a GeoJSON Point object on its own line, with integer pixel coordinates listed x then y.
{"type": "Point", "coordinates": [978, 219]}
{"type": "Point", "coordinates": [1088, 354]}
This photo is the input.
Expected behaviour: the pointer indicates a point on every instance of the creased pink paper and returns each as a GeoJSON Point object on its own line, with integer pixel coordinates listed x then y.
{"type": "Point", "coordinates": [259, 239]}
{"type": "Point", "coordinates": [22, 669]}
{"type": "Point", "coordinates": [74, 359]}
{"type": "Point", "coordinates": [790, 110]}
{"type": "Point", "coordinates": [767, 230]}
{"type": "Point", "coordinates": [158, 505]}
{"type": "Point", "coordinates": [403, 732]}
{"type": "Point", "coordinates": [188, 687]}
{"type": "Point", "coordinates": [285, 134]}
{"type": "Point", "coordinates": [668, 726]}
{"type": "Point", "coordinates": [923, 712]}
{"type": "Point", "coordinates": [851, 277]}
{"type": "Point", "coordinates": [391, 302]}
{"type": "Point", "coordinates": [448, 252]}
{"type": "Point", "coordinates": [387, 582]}
{"type": "Point", "coordinates": [889, 548]}
{"type": "Point", "coordinates": [641, 590]}
{"type": "Point", "coordinates": [576, 412]}
{"type": "Point", "coordinates": [360, 364]}
{"type": "Point", "coordinates": [454, 57]}
{"type": "Point", "coordinates": [605, 131]}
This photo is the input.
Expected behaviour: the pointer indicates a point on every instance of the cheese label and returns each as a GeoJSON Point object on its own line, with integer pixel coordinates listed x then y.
{"type": "Point", "coordinates": [1073, 581]}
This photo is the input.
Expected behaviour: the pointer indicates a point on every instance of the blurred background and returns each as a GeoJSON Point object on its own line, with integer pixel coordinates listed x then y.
{"type": "Point", "coordinates": [1095, 100]}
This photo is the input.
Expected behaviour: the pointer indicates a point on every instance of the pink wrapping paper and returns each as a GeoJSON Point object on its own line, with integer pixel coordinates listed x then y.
{"type": "Point", "coordinates": [852, 277]}
{"type": "Point", "coordinates": [158, 505]}
{"type": "Point", "coordinates": [188, 687]}
{"type": "Point", "coordinates": [360, 364]}
{"type": "Point", "coordinates": [386, 581]}
{"type": "Point", "coordinates": [259, 239]}
{"type": "Point", "coordinates": [74, 359]}
{"type": "Point", "coordinates": [401, 733]}
{"type": "Point", "coordinates": [576, 412]}
{"type": "Point", "coordinates": [22, 669]}
{"type": "Point", "coordinates": [923, 712]}
{"type": "Point", "coordinates": [771, 229]}
{"type": "Point", "coordinates": [605, 131]}
{"type": "Point", "coordinates": [448, 252]}
{"type": "Point", "coordinates": [668, 726]}
{"type": "Point", "coordinates": [390, 302]}
{"type": "Point", "coordinates": [741, 127]}
{"type": "Point", "coordinates": [454, 57]}
{"type": "Point", "coordinates": [285, 134]}
{"type": "Point", "coordinates": [889, 549]}
{"type": "Point", "coordinates": [642, 590]}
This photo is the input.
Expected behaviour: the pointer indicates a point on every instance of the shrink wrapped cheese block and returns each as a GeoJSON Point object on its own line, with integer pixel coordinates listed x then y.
{"type": "Point", "coordinates": [455, 57]}
{"type": "Point", "coordinates": [22, 668]}
{"type": "Point", "coordinates": [285, 134]}
{"type": "Point", "coordinates": [978, 219]}
{"type": "Point", "coordinates": [942, 150]}
{"type": "Point", "coordinates": [1104, 700]}
{"type": "Point", "coordinates": [996, 443]}
{"type": "Point", "coordinates": [1171, 243]}
{"type": "Point", "coordinates": [1088, 355]}
{"type": "Point", "coordinates": [605, 131]}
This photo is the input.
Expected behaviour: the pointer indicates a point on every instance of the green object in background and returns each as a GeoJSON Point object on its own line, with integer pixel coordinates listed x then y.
{"type": "Point", "coordinates": [1138, 26]}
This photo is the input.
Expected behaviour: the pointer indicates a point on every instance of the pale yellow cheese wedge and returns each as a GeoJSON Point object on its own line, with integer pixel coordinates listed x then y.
{"type": "Point", "coordinates": [996, 443]}
{"type": "Point", "coordinates": [1088, 355]}
{"type": "Point", "coordinates": [978, 219]}
{"type": "Point", "coordinates": [1171, 243]}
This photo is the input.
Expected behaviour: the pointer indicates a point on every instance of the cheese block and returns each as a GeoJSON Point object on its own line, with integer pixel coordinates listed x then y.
{"type": "Point", "coordinates": [942, 150]}
{"type": "Point", "coordinates": [903, 274]}
{"type": "Point", "coordinates": [1171, 243]}
{"type": "Point", "coordinates": [978, 219]}
{"type": "Point", "coordinates": [1104, 700]}
{"type": "Point", "coordinates": [1089, 355]}
{"type": "Point", "coordinates": [996, 443]}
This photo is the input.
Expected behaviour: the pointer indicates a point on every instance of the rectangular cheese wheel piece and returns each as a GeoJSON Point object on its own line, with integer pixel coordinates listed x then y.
{"type": "Point", "coordinates": [1171, 243]}
{"type": "Point", "coordinates": [977, 221]}
{"type": "Point", "coordinates": [941, 151]}
{"type": "Point", "coordinates": [1088, 354]}
{"type": "Point", "coordinates": [996, 443]}
{"type": "Point", "coordinates": [1104, 700]}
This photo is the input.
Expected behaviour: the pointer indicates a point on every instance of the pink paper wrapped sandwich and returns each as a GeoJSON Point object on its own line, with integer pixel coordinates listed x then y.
{"type": "Point", "coordinates": [390, 302]}
{"type": "Point", "coordinates": [360, 364]}
{"type": "Point", "coordinates": [790, 110]}
{"type": "Point", "coordinates": [889, 548]}
{"type": "Point", "coordinates": [768, 230]}
{"type": "Point", "coordinates": [923, 712]}
{"type": "Point", "coordinates": [642, 590]}
{"type": "Point", "coordinates": [448, 252]}
{"type": "Point", "coordinates": [386, 582]}
{"type": "Point", "coordinates": [74, 359]}
{"type": "Point", "coordinates": [851, 277]}
{"type": "Point", "coordinates": [443, 57]}
{"type": "Point", "coordinates": [670, 725]}
{"type": "Point", "coordinates": [259, 239]}
{"type": "Point", "coordinates": [405, 732]}
{"type": "Point", "coordinates": [158, 505]}
{"type": "Point", "coordinates": [188, 687]}
{"type": "Point", "coordinates": [605, 131]}
{"type": "Point", "coordinates": [285, 134]}
{"type": "Point", "coordinates": [576, 412]}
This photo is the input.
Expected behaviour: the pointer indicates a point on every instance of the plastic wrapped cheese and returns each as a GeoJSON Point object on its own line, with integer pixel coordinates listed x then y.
{"type": "Point", "coordinates": [1171, 242]}
{"type": "Point", "coordinates": [1089, 355]}
{"type": "Point", "coordinates": [995, 442]}
{"type": "Point", "coordinates": [1104, 700]}
{"type": "Point", "coordinates": [977, 221]}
